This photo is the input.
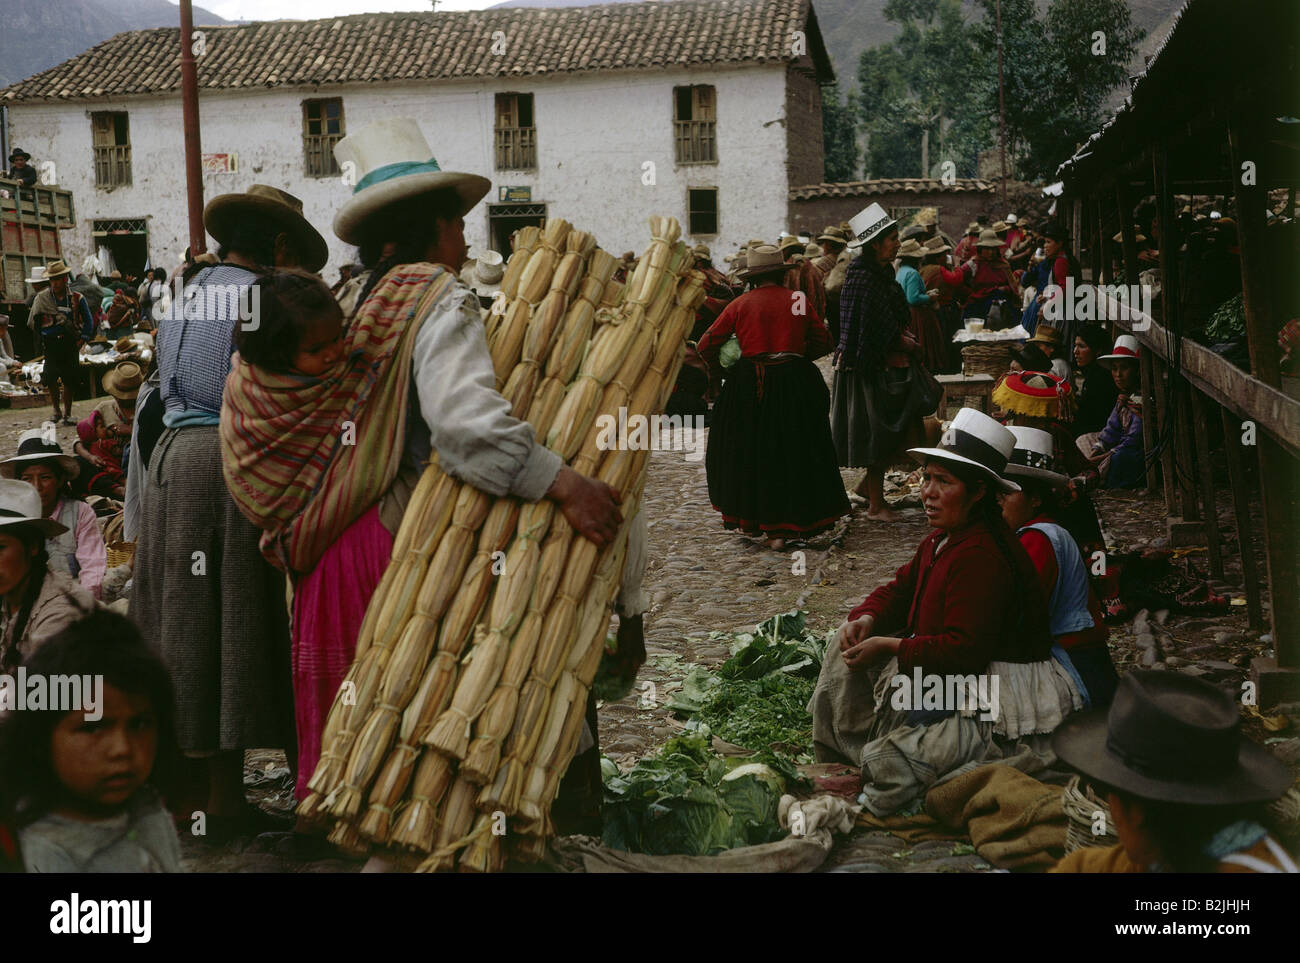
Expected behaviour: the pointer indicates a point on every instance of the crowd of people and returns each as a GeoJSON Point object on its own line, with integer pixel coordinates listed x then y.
{"type": "Point", "coordinates": [239, 491]}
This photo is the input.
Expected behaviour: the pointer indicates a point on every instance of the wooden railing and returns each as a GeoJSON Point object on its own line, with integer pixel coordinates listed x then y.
{"type": "Point", "coordinates": [516, 148]}
{"type": "Point", "coordinates": [318, 150]}
{"type": "Point", "coordinates": [696, 141]}
{"type": "Point", "coordinates": [113, 165]}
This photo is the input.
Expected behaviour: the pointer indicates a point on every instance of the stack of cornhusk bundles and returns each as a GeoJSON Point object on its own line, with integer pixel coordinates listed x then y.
{"type": "Point", "coordinates": [466, 699]}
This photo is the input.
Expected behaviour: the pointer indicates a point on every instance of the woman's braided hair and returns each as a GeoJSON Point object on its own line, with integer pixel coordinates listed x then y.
{"type": "Point", "coordinates": [405, 232]}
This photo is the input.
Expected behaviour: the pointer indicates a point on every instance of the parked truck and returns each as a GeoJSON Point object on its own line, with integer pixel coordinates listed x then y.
{"type": "Point", "coordinates": [31, 219]}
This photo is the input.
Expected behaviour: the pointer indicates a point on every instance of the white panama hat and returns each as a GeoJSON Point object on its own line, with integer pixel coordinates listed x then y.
{"type": "Point", "coordinates": [1034, 457]}
{"type": "Point", "coordinates": [973, 438]}
{"type": "Point", "coordinates": [869, 223]}
{"type": "Point", "coordinates": [483, 272]}
{"type": "Point", "coordinates": [1126, 347]}
{"type": "Point", "coordinates": [20, 504]}
{"type": "Point", "coordinates": [392, 162]}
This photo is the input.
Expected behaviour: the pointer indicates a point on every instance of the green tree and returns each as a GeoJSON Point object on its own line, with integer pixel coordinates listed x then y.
{"type": "Point", "coordinates": [840, 133]}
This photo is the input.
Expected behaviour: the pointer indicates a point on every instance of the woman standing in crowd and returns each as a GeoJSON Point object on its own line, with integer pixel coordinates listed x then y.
{"type": "Point", "coordinates": [770, 461]}
{"type": "Point", "coordinates": [968, 602]}
{"type": "Point", "coordinates": [1093, 384]}
{"type": "Point", "coordinates": [38, 602]}
{"type": "Point", "coordinates": [880, 393]}
{"type": "Point", "coordinates": [413, 373]}
{"type": "Point", "coordinates": [990, 281]}
{"type": "Point", "coordinates": [1072, 607]}
{"type": "Point", "coordinates": [936, 277]}
{"type": "Point", "coordinates": [925, 322]}
{"type": "Point", "coordinates": [1053, 271]}
{"type": "Point", "coordinates": [78, 549]}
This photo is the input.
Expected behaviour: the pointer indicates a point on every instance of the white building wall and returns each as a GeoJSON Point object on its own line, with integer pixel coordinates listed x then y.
{"type": "Point", "coordinates": [594, 134]}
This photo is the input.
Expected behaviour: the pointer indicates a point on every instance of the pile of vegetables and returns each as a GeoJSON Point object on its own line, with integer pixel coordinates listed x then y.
{"type": "Point", "coordinates": [1228, 321]}
{"type": "Point", "coordinates": [690, 801]}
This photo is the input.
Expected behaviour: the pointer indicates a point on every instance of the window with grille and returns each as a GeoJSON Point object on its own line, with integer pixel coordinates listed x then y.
{"type": "Point", "coordinates": [702, 210]}
{"type": "Point", "coordinates": [695, 124]}
{"type": "Point", "coordinates": [111, 140]}
{"type": "Point", "coordinates": [322, 128]}
{"type": "Point", "coordinates": [516, 134]}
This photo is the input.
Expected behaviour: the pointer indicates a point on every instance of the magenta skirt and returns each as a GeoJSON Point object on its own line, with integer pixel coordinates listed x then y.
{"type": "Point", "coordinates": [328, 606]}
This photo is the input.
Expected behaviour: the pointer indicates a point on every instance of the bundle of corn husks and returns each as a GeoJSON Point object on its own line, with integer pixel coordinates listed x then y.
{"type": "Point", "coordinates": [466, 699]}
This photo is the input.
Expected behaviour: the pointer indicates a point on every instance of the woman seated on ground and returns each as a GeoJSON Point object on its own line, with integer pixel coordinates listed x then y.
{"type": "Point", "coordinates": [1072, 607]}
{"type": "Point", "coordinates": [77, 550]}
{"type": "Point", "coordinates": [770, 460]}
{"type": "Point", "coordinates": [967, 605]}
{"type": "Point", "coordinates": [1186, 789]}
{"type": "Point", "coordinates": [1093, 385]}
{"type": "Point", "coordinates": [1118, 451]}
{"type": "Point", "coordinates": [36, 602]}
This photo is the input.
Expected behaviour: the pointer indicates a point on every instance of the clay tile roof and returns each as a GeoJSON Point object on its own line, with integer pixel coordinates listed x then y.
{"type": "Point", "coordinates": [889, 185]}
{"type": "Point", "coordinates": [387, 47]}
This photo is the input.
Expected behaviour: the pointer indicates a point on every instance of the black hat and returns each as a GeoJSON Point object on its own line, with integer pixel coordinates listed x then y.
{"type": "Point", "coordinates": [1168, 737]}
{"type": "Point", "coordinates": [17, 153]}
{"type": "Point", "coordinates": [1055, 231]}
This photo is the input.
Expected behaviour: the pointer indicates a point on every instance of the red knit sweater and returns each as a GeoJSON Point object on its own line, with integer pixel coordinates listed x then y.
{"type": "Point", "coordinates": [964, 608]}
{"type": "Point", "coordinates": [764, 322]}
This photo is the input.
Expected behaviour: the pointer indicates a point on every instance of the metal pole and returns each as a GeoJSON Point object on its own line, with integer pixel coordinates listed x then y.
{"type": "Point", "coordinates": [190, 112]}
{"type": "Point", "coordinates": [1002, 109]}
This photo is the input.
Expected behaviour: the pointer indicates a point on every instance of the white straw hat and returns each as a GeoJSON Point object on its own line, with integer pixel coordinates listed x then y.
{"type": "Point", "coordinates": [1034, 457]}
{"type": "Point", "coordinates": [1126, 346]}
{"type": "Point", "coordinates": [392, 162]}
{"type": "Point", "coordinates": [868, 223]}
{"type": "Point", "coordinates": [973, 438]}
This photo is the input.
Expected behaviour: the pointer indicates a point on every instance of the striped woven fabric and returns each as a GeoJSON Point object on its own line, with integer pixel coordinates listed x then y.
{"type": "Point", "coordinates": [305, 457]}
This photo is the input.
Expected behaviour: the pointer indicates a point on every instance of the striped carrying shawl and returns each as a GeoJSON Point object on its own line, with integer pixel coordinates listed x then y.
{"type": "Point", "coordinates": [294, 465]}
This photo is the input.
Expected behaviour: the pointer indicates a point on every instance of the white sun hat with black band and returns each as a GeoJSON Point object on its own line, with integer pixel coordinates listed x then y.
{"type": "Point", "coordinates": [20, 504]}
{"type": "Point", "coordinates": [1034, 457]}
{"type": "Point", "coordinates": [33, 446]}
{"type": "Point", "coordinates": [870, 222]}
{"type": "Point", "coordinates": [973, 438]}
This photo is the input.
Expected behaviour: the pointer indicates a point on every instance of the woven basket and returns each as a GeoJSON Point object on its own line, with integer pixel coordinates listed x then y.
{"type": "Point", "coordinates": [120, 553]}
{"type": "Point", "coordinates": [1081, 808]}
{"type": "Point", "coordinates": [990, 358]}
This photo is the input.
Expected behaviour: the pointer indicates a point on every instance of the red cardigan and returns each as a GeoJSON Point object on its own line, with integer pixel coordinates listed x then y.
{"type": "Point", "coordinates": [963, 609]}
{"type": "Point", "coordinates": [764, 322]}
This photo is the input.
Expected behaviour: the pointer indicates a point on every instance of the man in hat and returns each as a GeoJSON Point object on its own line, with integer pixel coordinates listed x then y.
{"type": "Point", "coordinates": [204, 594]}
{"type": "Point", "coordinates": [61, 320]}
{"type": "Point", "coordinates": [20, 170]}
{"type": "Point", "coordinates": [833, 242]}
{"type": "Point", "coordinates": [1184, 785]}
{"type": "Point", "coordinates": [802, 276]}
{"type": "Point", "coordinates": [965, 249]}
{"type": "Point", "coordinates": [482, 273]}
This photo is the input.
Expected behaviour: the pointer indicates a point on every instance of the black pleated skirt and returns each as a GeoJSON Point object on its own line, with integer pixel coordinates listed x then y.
{"type": "Point", "coordinates": [770, 461]}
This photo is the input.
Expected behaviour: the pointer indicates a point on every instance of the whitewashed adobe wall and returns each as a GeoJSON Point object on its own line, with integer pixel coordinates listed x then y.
{"type": "Point", "coordinates": [594, 134]}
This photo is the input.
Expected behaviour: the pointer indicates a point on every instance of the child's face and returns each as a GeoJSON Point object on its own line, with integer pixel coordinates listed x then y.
{"type": "Point", "coordinates": [320, 346]}
{"type": "Point", "coordinates": [1125, 375]}
{"type": "Point", "coordinates": [103, 763]}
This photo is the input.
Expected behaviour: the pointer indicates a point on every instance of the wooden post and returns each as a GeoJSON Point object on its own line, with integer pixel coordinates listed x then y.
{"type": "Point", "coordinates": [1182, 398]}
{"type": "Point", "coordinates": [1125, 205]}
{"type": "Point", "coordinates": [1148, 417]}
{"type": "Point", "coordinates": [1241, 512]}
{"type": "Point", "coordinates": [1278, 484]}
{"type": "Point", "coordinates": [1100, 267]}
{"type": "Point", "coordinates": [1261, 333]}
{"type": "Point", "coordinates": [190, 120]}
{"type": "Point", "coordinates": [1206, 473]}
{"type": "Point", "coordinates": [1164, 435]}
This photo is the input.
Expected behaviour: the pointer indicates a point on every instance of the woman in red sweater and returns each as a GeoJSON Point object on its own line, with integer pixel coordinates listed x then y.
{"type": "Point", "coordinates": [771, 461]}
{"type": "Point", "coordinates": [966, 613]}
{"type": "Point", "coordinates": [1074, 613]}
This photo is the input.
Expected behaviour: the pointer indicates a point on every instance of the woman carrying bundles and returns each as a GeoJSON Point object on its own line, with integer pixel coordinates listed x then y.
{"type": "Point", "coordinates": [967, 604]}
{"type": "Point", "coordinates": [77, 550]}
{"type": "Point", "coordinates": [990, 281]}
{"type": "Point", "coordinates": [925, 322]}
{"type": "Point", "coordinates": [880, 392]}
{"type": "Point", "coordinates": [82, 789]}
{"type": "Point", "coordinates": [38, 602]}
{"type": "Point", "coordinates": [770, 461]}
{"type": "Point", "coordinates": [412, 375]}
{"type": "Point", "coordinates": [1072, 608]}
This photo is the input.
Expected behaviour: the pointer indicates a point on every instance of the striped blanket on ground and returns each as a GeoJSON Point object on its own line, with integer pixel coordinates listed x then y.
{"type": "Point", "coordinates": [305, 457]}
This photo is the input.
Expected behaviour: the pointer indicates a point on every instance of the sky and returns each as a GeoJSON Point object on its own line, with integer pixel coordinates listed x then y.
{"type": "Point", "coordinates": [320, 9]}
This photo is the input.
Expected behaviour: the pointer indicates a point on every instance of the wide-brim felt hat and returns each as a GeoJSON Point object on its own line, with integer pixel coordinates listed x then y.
{"type": "Point", "coordinates": [989, 238]}
{"type": "Point", "coordinates": [393, 162]}
{"type": "Point", "coordinates": [34, 447]}
{"type": "Point", "coordinates": [937, 245]}
{"type": "Point", "coordinates": [17, 153]}
{"type": "Point", "coordinates": [973, 438]}
{"type": "Point", "coordinates": [1046, 334]}
{"type": "Point", "coordinates": [124, 381]}
{"type": "Point", "coordinates": [790, 241]}
{"type": "Point", "coordinates": [56, 269]}
{"type": "Point", "coordinates": [1168, 737]}
{"type": "Point", "coordinates": [763, 260]}
{"type": "Point", "coordinates": [836, 235]}
{"type": "Point", "coordinates": [224, 211]}
{"type": "Point", "coordinates": [911, 248]}
{"type": "Point", "coordinates": [1034, 457]}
